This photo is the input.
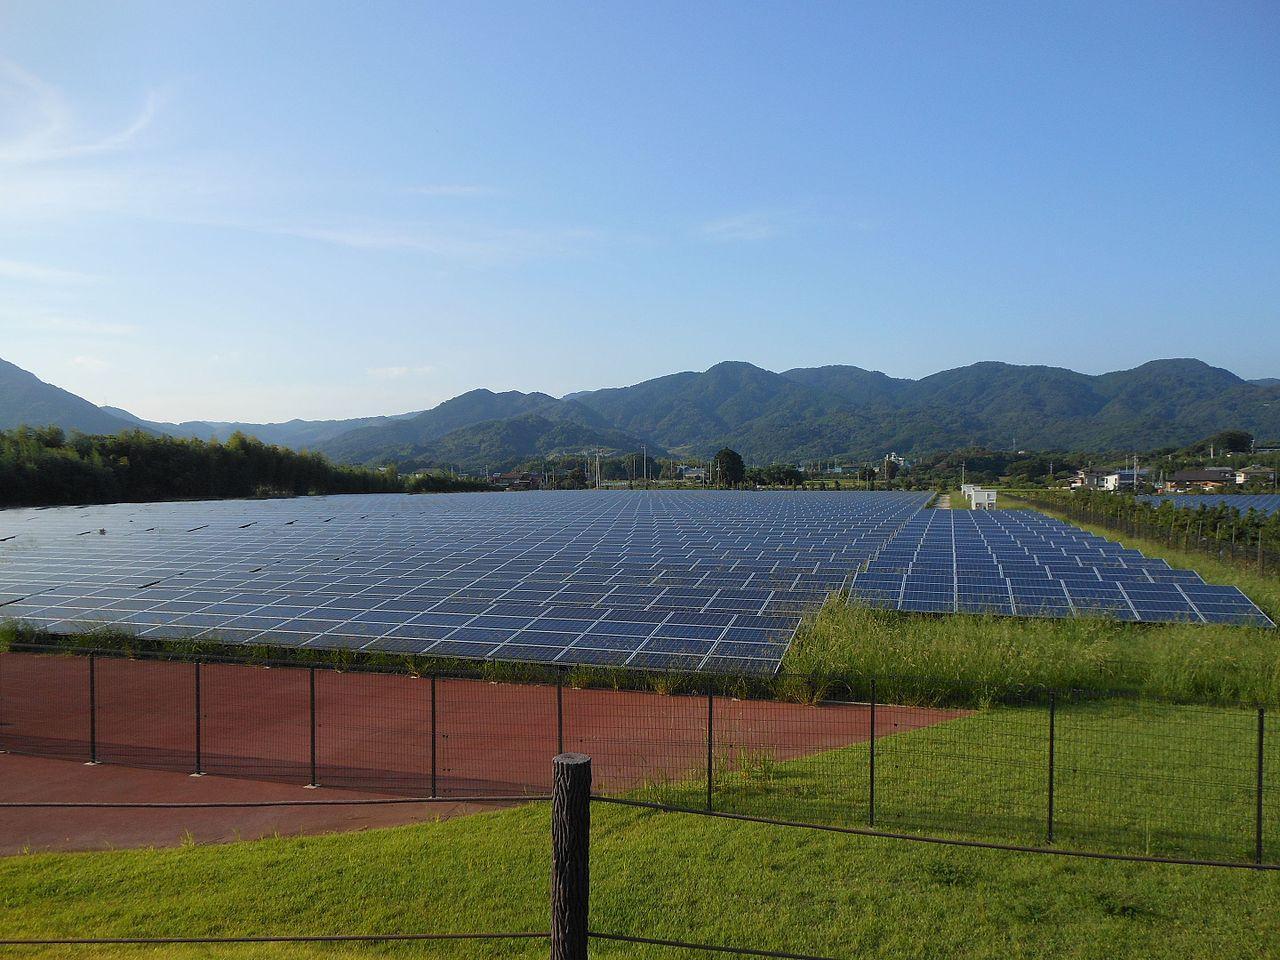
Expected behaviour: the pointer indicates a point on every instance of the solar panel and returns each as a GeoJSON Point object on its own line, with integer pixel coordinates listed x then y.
{"type": "Point", "coordinates": [661, 580]}
{"type": "Point", "coordinates": [1029, 564]}
{"type": "Point", "coordinates": [658, 580]}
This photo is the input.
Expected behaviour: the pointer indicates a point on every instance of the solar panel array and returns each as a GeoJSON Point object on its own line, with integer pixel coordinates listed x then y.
{"type": "Point", "coordinates": [687, 580]}
{"type": "Point", "coordinates": [1268, 503]}
{"type": "Point", "coordinates": [1023, 563]}
{"type": "Point", "coordinates": [658, 580]}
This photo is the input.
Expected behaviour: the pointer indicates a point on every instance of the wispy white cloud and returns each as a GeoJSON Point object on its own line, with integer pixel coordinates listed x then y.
{"type": "Point", "coordinates": [743, 227]}
{"type": "Point", "coordinates": [399, 373]}
{"type": "Point", "coordinates": [54, 167]}
{"type": "Point", "coordinates": [86, 362]}
{"type": "Point", "coordinates": [454, 242]}
{"type": "Point", "coordinates": [54, 164]}
{"type": "Point", "coordinates": [39, 273]}
{"type": "Point", "coordinates": [452, 190]}
{"type": "Point", "coordinates": [47, 126]}
{"type": "Point", "coordinates": [100, 328]}
{"type": "Point", "coordinates": [22, 319]}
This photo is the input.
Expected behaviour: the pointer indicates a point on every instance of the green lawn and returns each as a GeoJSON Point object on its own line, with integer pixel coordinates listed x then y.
{"type": "Point", "coordinates": [1129, 777]}
{"type": "Point", "coordinates": [686, 877]}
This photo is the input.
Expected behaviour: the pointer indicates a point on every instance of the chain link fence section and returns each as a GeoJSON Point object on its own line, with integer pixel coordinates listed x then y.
{"type": "Point", "coordinates": [1087, 771]}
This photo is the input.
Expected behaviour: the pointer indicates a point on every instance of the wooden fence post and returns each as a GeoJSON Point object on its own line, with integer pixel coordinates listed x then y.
{"type": "Point", "coordinates": [570, 855]}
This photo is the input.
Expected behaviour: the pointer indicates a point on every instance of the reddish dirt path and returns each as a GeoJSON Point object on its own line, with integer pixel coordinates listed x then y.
{"type": "Point", "coordinates": [38, 778]}
{"type": "Point", "coordinates": [376, 733]}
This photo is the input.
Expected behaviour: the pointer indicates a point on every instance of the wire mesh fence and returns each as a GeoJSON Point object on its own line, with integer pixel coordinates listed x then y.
{"type": "Point", "coordinates": [1112, 773]}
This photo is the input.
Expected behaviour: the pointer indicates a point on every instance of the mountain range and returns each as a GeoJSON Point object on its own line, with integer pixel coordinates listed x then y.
{"type": "Point", "coordinates": [800, 414]}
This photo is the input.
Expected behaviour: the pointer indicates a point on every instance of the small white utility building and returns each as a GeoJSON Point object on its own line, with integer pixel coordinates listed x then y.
{"type": "Point", "coordinates": [980, 499]}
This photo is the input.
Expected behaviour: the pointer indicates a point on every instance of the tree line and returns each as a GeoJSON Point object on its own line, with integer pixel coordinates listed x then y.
{"type": "Point", "coordinates": [45, 467]}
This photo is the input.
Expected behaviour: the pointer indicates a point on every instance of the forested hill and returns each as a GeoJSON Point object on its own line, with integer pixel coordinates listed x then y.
{"type": "Point", "coordinates": [845, 411]}
{"type": "Point", "coordinates": [798, 414]}
{"type": "Point", "coordinates": [26, 399]}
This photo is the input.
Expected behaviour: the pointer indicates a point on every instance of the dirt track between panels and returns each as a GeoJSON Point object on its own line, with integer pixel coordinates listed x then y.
{"type": "Point", "coordinates": [374, 735]}
{"type": "Point", "coordinates": [40, 779]}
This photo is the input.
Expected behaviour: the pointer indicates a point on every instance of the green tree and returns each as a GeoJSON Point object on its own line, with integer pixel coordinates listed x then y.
{"type": "Point", "coordinates": [729, 468]}
{"type": "Point", "coordinates": [1226, 441]}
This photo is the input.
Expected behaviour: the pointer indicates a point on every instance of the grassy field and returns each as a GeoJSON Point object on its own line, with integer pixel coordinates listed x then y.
{"type": "Point", "coordinates": [972, 659]}
{"type": "Point", "coordinates": [684, 877]}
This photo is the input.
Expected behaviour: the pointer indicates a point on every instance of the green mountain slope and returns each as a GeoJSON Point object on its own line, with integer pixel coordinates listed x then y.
{"type": "Point", "coordinates": [298, 434]}
{"type": "Point", "coordinates": [26, 399]}
{"type": "Point", "coordinates": [847, 411]}
{"type": "Point", "coordinates": [689, 410]}
{"type": "Point", "coordinates": [413, 433]}
{"type": "Point", "coordinates": [503, 444]}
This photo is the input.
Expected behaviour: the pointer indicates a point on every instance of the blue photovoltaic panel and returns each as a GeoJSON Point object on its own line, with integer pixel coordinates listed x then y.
{"type": "Point", "coordinates": [1025, 563]}
{"type": "Point", "coordinates": [661, 580]}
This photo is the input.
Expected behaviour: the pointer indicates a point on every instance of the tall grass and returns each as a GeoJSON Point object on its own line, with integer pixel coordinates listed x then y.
{"type": "Point", "coordinates": [974, 659]}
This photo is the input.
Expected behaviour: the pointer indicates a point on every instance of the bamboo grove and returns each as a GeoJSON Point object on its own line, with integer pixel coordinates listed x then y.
{"type": "Point", "coordinates": [45, 467]}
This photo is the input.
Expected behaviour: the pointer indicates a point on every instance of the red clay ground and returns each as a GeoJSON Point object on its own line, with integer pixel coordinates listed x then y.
{"type": "Point", "coordinates": [37, 778]}
{"type": "Point", "coordinates": [373, 732]}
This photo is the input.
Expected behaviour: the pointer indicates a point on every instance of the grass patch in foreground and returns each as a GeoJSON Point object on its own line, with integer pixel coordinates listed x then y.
{"type": "Point", "coordinates": [665, 875]}
{"type": "Point", "coordinates": [1130, 776]}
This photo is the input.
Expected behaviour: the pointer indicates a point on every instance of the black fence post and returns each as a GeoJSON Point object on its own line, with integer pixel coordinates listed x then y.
{"type": "Point", "coordinates": [1053, 714]}
{"type": "Point", "coordinates": [312, 681]}
{"type": "Point", "coordinates": [93, 709]}
{"type": "Point", "coordinates": [560, 710]}
{"type": "Point", "coordinates": [871, 760]}
{"type": "Point", "coordinates": [1257, 836]}
{"type": "Point", "coordinates": [570, 855]}
{"type": "Point", "coordinates": [433, 736]}
{"type": "Point", "coordinates": [199, 771]}
{"type": "Point", "coordinates": [710, 745]}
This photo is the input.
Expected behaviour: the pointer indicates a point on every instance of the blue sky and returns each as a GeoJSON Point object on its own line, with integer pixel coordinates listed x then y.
{"type": "Point", "coordinates": [266, 210]}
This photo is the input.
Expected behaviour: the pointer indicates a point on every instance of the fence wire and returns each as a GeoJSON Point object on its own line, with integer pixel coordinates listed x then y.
{"type": "Point", "coordinates": [1108, 774]}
